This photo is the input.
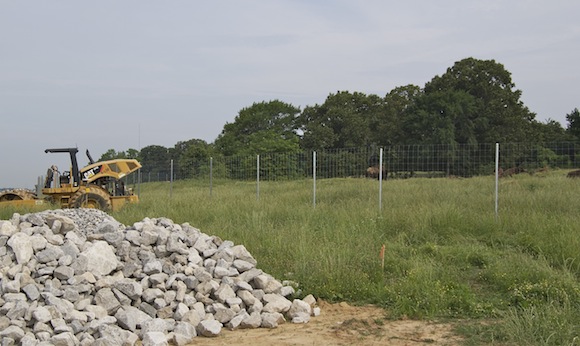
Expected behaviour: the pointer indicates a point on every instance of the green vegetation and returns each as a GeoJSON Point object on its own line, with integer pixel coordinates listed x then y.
{"type": "Point", "coordinates": [514, 280]}
{"type": "Point", "coordinates": [7, 210]}
{"type": "Point", "coordinates": [472, 106]}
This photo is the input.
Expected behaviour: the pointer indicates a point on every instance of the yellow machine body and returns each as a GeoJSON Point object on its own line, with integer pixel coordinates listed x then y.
{"type": "Point", "coordinates": [98, 185]}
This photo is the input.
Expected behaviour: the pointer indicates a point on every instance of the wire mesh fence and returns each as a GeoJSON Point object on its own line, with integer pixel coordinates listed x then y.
{"type": "Point", "coordinates": [399, 161]}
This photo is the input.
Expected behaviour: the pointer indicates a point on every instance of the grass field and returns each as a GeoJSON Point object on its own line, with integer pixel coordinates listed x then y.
{"type": "Point", "coordinates": [509, 280]}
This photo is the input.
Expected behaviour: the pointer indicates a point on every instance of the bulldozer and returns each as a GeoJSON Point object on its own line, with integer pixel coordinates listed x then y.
{"type": "Point", "coordinates": [98, 185]}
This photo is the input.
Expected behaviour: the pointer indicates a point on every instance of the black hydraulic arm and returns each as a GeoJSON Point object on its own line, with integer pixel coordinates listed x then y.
{"type": "Point", "coordinates": [91, 161]}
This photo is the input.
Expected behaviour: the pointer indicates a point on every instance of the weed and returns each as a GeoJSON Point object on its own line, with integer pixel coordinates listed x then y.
{"type": "Point", "coordinates": [446, 255]}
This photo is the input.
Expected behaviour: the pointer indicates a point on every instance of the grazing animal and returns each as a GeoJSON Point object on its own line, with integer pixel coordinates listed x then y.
{"type": "Point", "coordinates": [374, 171]}
{"type": "Point", "coordinates": [510, 171]}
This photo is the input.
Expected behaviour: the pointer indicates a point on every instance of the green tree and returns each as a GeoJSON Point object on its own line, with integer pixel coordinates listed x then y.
{"type": "Point", "coordinates": [573, 127]}
{"type": "Point", "coordinates": [316, 128]}
{"type": "Point", "coordinates": [551, 131]}
{"type": "Point", "coordinates": [112, 154]}
{"type": "Point", "coordinates": [132, 154]}
{"type": "Point", "coordinates": [344, 120]}
{"type": "Point", "coordinates": [155, 160]}
{"type": "Point", "coordinates": [263, 127]}
{"type": "Point", "coordinates": [442, 117]}
{"type": "Point", "coordinates": [500, 114]}
{"type": "Point", "coordinates": [387, 126]}
{"type": "Point", "coordinates": [192, 158]}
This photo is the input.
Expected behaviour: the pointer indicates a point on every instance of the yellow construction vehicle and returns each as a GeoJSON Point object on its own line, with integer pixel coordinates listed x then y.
{"type": "Point", "coordinates": [98, 185]}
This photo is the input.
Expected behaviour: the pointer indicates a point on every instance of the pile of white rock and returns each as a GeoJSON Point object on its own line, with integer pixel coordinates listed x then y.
{"type": "Point", "coordinates": [79, 277]}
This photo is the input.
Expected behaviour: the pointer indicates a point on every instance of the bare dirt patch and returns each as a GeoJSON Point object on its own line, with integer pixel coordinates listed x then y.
{"type": "Point", "coordinates": [342, 324]}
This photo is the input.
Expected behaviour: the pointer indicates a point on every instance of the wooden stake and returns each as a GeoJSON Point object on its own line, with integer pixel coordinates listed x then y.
{"type": "Point", "coordinates": [382, 256]}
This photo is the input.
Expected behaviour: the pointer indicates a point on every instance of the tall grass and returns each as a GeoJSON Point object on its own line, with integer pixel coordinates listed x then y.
{"type": "Point", "coordinates": [447, 256]}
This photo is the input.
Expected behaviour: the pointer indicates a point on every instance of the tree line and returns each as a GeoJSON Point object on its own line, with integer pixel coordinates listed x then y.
{"type": "Point", "coordinates": [474, 102]}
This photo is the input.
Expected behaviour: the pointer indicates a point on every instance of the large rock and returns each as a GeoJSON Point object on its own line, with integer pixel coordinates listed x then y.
{"type": "Point", "coordinates": [59, 223]}
{"type": "Point", "coordinates": [276, 303]}
{"type": "Point", "coordinates": [7, 228]}
{"type": "Point", "coordinates": [300, 311]}
{"type": "Point", "coordinates": [106, 299]}
{"type": "Point", "coordinates": [155, 339]}
{"type": "Point", "coordinates": [184, 333]}
{"type": "Point", "coordinates": [209, 328]}
{"type": "Point", "coordinates": [22, 247]}
{"type": "Point", "coordinates": [271, 319]}
{"type": "Point", "coordinates": [12, 332]}
{"type": "Point", "coordinates": [129, 287]}
{"type": "Point", "coordinates": [49, 254]}
{"type": "Point", "coordinates": [100, 258]}
{"type": "Point", "coordinates": [78, 277]}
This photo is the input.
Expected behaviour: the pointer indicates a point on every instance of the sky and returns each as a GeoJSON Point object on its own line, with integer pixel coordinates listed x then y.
{"type": "Point", "coordinates": [120, 75]}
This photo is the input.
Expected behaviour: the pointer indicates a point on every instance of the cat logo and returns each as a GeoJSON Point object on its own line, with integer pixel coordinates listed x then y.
{"type": "Point", "coordinates": [91, 172]}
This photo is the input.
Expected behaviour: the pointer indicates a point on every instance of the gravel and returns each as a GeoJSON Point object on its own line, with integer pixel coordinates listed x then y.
{"type": "Point", "coordinates": [80, 277]}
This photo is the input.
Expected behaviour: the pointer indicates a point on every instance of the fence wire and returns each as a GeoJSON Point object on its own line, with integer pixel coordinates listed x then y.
{"type": "Point", "coordinates": [400, 161]}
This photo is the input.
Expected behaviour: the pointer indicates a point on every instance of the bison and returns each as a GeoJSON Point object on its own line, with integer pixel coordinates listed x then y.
{"type": "Point", "coordinates": [374, 172]}
{"type": "Point", "coordinates": [510, 171]}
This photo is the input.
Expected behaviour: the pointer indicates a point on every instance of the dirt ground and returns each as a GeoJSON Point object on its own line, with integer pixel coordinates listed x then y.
{"type": "Point", "coordinates": [342, 324]}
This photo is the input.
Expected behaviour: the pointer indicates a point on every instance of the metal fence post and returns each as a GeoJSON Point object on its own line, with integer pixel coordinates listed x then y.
{"type": "Point", "coordinates": [138, 182]}
{"type": "Point", "coordinates": [381, 180]}
{"type": "Point", "coordinates": [171, 181]}
{"type": "Point", "coordinates": [210, 175]}
{"type": "Point", "coordinates": [258, 177]}
{"type": "Point", "coordinates": [314, 179]}
{"type": "Point", "coordinates": [496, 180]}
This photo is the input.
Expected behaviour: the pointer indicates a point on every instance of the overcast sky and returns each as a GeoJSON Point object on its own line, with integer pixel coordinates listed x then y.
{"type": "Point", "coordinates": [107, 74]}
